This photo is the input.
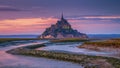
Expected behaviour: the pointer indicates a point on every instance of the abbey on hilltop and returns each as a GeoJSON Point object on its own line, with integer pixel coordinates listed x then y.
{"type": "Point", "coordinates": [62, 29]}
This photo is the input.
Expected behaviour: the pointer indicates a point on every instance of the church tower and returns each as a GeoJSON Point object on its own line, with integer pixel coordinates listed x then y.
{"type": "Point", "coordinates": [64, 23]}
{"type": "Point", "coordinates": [62, 17]}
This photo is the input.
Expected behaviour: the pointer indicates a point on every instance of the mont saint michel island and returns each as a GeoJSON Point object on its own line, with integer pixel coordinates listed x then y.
{"type": "Point", "coordinates": [62, 29]}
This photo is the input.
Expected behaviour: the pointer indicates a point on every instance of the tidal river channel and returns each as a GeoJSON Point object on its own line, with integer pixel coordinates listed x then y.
{"type": "Point", "coordinates": [19, 61]}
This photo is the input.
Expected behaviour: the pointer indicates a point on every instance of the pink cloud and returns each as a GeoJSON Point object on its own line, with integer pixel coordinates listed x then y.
{"type": "Point", "coordinates": [102, 17]}
{"type": "Point", "coordinates": [28, 25]}
{"type": "Point", "coordinates": [38, 25]}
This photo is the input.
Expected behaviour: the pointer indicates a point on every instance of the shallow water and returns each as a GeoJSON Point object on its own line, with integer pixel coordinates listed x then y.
{"type": "Point", "coordinates": [72, 47]}
{"type": "Point", "coordinates": [18, 61]}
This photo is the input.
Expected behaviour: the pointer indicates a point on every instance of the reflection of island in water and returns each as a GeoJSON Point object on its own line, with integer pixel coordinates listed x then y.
{"type": "Point", "coordinates": [62, 29]}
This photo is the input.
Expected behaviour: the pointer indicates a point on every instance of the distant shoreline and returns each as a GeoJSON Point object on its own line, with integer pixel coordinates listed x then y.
{"type": "Point", "coordinates": [100, 36]}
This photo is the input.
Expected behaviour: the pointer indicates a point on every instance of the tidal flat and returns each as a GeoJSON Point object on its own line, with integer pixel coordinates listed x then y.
{"type": "Point", "coordinates": [87, 61]}
{"type": "Point", "coordinates": [68, 53]}
{"type": "Point", "coordinates": [111, 46]}
{"type": "Point", "coordinates": [21, 61]}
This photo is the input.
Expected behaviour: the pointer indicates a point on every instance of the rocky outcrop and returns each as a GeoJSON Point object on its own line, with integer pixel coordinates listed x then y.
{"type": "Point", "coordinates": [62, 29]}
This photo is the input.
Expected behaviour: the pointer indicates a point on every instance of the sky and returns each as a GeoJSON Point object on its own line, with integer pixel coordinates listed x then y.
{"type": "Point", "coordinates": [33, 16]}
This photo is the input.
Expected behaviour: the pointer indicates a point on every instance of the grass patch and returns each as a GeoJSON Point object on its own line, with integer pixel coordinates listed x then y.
{"type": "Point", "coordinates": [2, 40]}
{"type": "Point", "coordinates": [69, 40]}
{"type": "Point", "coordinates": [114, 43]}
{"type": "Point", "coordinates": [34, 46]}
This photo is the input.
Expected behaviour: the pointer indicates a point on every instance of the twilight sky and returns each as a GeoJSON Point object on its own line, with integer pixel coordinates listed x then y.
{"type": "Point", "coordinates": [33, 16]}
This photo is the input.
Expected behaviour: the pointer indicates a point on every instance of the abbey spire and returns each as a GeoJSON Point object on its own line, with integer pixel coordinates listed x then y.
{"type": "Point", "coordinates": [62, 17]}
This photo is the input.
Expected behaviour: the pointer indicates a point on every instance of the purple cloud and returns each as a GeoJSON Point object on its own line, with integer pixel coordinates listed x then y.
{"type": "Point", "coordinates": [8, 8]}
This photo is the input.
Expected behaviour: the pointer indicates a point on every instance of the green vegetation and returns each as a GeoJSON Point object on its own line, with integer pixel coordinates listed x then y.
{"type": "Point", "coordinates": [84, 60]}
{"type": "Point", "coordinates": [34, 46]}
{"type": "Point", "coordinates": [114, 43]}
{"type": "Point", "coordinates": [114, 62]}
{"type": "Point", "coordinates": [70, 40]}
{"type": "Point", "coordinates": [2, 40]}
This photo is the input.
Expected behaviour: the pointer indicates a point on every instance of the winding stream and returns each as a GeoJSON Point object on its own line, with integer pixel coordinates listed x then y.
{"type": "Point", "coordinates": [19, 61]}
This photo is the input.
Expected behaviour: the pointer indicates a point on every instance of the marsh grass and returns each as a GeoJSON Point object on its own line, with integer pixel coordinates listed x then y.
{"type": "Point", "coordinates": [70, 40]}
{"type": "Point", "coordinates": [34, 46]}
{"type": "Point", "coordinates": [2, 40]}
{"type": "Point", "coordinates": [114, 43]}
